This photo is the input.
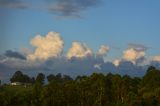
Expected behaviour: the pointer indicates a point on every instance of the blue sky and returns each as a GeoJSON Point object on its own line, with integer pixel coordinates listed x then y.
{"type": "Point", "coordinates": [114, 23]}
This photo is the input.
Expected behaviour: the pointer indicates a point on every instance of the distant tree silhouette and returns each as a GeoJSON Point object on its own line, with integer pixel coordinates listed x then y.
{"type": "Point", "coordinates": [94, 90]}
{"type": "Point", "coordinates": [18, 76]}
{"type": "Point", "coordinates": [40, 78]}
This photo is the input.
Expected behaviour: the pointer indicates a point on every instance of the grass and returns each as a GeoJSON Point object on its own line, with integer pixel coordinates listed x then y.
{"type": "Point", "coordinates": [17, 89]}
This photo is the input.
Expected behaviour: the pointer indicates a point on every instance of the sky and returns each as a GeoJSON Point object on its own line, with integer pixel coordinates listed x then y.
{"type": "Point", "coordinates": [103, 34]}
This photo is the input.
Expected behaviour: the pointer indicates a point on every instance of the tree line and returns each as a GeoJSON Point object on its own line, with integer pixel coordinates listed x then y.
{"type": "Point", "coordinates": [94, 90]}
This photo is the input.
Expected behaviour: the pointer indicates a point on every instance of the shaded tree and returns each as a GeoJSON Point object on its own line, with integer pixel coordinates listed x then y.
{"type": "Point", "coordinates": [18, 76]}
{"type": "Point", "coordinates": [94, 90]}
{"type": "Point", "coordinates": [51, 77]}
{"type": "Point", "coordinates": [40, 78]}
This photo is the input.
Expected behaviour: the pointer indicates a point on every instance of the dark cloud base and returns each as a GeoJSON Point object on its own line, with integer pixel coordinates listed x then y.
{"type": "Point", "coordinates": [73, 67]}
{"type": "Point", "coordinates": [14, 54]}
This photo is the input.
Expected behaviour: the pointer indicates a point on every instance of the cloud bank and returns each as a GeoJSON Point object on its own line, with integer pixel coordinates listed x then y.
{"type": "Point", "coordinates": [48, 57]}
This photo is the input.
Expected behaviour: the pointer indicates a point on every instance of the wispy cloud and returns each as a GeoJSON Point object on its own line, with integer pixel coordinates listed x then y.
{"type": "Point", "coordinates": [14, 54]}
{"type": "Point", "coordinates": [138, 47]}
{"type": "Point", "coordinates": [71, 7]}
{"type": "Point", "coordinates": [17, 4]}
{"type": "Point", "coordinates": [60, 8]}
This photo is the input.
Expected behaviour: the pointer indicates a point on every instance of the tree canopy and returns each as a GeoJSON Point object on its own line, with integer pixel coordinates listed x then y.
{"type": "Point", "coordinates": [20, 77]}
{"type": "Point", "coordinates": [94, 90]}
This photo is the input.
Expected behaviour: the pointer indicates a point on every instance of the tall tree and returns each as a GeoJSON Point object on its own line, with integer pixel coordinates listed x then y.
{"type": "Point", "coordinates": [51, 77]}
{"type": "Point", "coordinates": [20, 77]}
{"type": "Point", "coordinates": [40, 78]}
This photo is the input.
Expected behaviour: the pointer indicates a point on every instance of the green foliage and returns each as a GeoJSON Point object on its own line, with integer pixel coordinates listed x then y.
{"type": "Point", "coordinates": [20, 77]}
{"type": "Point", "coordinates": [151, 79]}
{"type": "Point", "coordinates": [40, 78]}
{"type": "Point", "coordinates": [95, 90]}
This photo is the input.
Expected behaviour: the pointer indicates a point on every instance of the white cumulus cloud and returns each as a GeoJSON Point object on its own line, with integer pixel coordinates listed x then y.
{"type": "Point", "coordinates": [103, 50]}
{"type": "Point", "coordinates": [116, 62]}
{"type": "Point", "coordinates": [133, 55]}
{"type": "Point", "coordinates": [48, 46]}
{"type": "Point", "coordinates": [156, 58]}
{"type": "Point", "coordinates": [79, 50]}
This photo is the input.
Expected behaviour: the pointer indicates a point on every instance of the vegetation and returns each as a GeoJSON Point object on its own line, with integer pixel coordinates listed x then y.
{"type": "Point", "coordinates": [20, 77]}
{"type": "Point", "coordinates": [95, 90]}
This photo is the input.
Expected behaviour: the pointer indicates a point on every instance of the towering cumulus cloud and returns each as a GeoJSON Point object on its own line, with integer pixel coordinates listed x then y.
{"type": "Point", "coordinates": [79, 50]}
{"type": "Point", "coordinates": [103, 50]}
{"type": "Point", "coordinates": [46, 47]}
